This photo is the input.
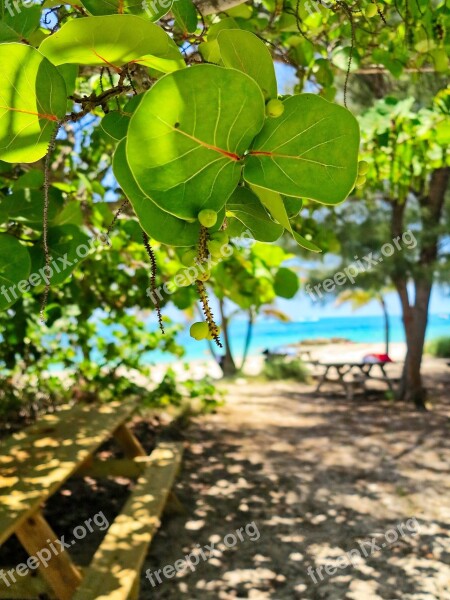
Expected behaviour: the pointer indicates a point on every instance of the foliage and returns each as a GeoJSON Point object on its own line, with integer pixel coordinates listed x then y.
{"type": "Point", "coordinates": [171, 163]}
{"type": "Point", "coordinates": [192, 395]}
{"type": "Point", "coordinates": [280, 368]}
{"type": "Point", "coordinates": [439, 347]}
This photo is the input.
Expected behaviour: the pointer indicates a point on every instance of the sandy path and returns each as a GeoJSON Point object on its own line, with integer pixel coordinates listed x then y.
{"type": "Point", "coordinates": [317, 476]}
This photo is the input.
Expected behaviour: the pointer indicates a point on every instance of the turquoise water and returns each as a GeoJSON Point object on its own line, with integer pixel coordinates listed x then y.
{"type": "Point", "coordinates": [270, 334]}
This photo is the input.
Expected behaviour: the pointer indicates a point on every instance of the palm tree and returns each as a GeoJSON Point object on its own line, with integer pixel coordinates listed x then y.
{"type": "Point", "coordinates": [359, 298]}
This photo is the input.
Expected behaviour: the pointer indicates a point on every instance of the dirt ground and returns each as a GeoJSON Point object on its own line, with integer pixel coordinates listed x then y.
{"type": "Point", "coordinates": [317, 476]}
{"type": "Point", "coordinates": [284, 484]}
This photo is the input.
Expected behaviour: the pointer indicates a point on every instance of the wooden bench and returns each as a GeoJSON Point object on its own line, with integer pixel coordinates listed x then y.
{"type": "Point", "coordinates": [36, 462]}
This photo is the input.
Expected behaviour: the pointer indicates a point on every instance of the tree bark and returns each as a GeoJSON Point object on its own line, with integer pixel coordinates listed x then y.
{"type": "Point", "coordinates": [415, 316]}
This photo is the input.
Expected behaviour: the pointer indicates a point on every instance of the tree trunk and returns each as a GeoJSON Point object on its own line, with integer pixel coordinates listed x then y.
{"type": "Point", "coordinates": [386, 325]}
{"type": "Point", "coordinates": [248, 337]}
{"type": "Point", "coordinates": [415, 316]}
{"type": "Point", "coordinates": [227, 363]}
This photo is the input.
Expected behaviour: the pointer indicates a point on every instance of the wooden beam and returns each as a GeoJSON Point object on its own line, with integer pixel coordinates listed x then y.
{"type": "Point", "coordinates": [131, 468]}
{"type": "Point", "coordinates": [60, 573]}
{"type": "Point", "coordinates": [128, 442]}
{"type": "Point", "coordinates": [117, 563]}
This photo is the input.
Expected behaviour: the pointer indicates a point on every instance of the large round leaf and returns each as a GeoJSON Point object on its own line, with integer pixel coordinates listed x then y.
{"type": "Point", "coordinates": [244, 51]}
{"type": "Point", "coordinates": [32, 100]}
{"type": "Point", "coordinates": [154, 9]}
{"type": "Point", "coordinates": [158, 224]}
{"type": "Point", "coordinates": [310, 151]}
{"type": "Point", "coordinates": [113, 40]}
{"type": "Point", "coordinates": [187, 138]}
{"type": "Point", "coordinates": [14, 268]}
{"type": "Point", "coordinates": [245, 212]}
{"type": "Point", "coordinates": [285, 283]}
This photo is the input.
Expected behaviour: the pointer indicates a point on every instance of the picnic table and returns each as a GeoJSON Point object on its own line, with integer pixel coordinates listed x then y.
{"type": "Point", "coordinates": [36, 462]}
{"type": "Point", "coordinates": [360, 373]}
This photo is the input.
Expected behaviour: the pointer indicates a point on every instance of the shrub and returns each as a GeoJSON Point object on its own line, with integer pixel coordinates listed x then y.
{"type": "Point", "coordinates": [191, 395]}
{"type": "Point", "coordinates": [280, 367]}
{"type": "Point", "coordinates": [440, 347]}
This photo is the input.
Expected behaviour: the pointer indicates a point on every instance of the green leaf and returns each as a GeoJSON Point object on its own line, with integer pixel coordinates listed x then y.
{"type": "Point", "coordinates": [310, 151]}
{"type": "Point", "coordinates": [27, 206]}
{"type": "Point", "coordinates": [285, 283]}
{"type": "Point", "coordinates": [33, 179]}
{"type": "Point", "coordinates": [154, 9]}
{"type": "Point", "coordinates": [115, 123]}
{"type": "Point", "coordinates": [210, 50]}
{"type": "Point", "coordinates": [158, 224]}
{"type": "Point", "coordinates": [14, 268]}
{"type": "Point", "coordinates": [90, 41]}
{"type": "Point", "coordinates": [244, 51]}
{"type": "Point", "coordinates": [274, 204]}
{"type": "Point", "coordinates": [7, 34]}
{"type": "Point", "coordinates": [185, 15]}
{"type": "Point", "coordinates": [32, 99]}
{"type": "Point", "coordinates": [69, 246]}
{"type": "Point", "coordinates": [187, 138]}
{"type": "Point", "coordinates": [245, 211]}
{"type": "Point", "coordinates": [22, 19]}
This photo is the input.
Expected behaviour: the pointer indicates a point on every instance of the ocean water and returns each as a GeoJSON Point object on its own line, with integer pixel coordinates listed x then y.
{"type": "Point", "coordinates": [271, 334]}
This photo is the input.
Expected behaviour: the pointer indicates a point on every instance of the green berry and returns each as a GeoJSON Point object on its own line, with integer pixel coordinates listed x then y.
{"type": "Point", "coordinates": [182, 279]}
{"type": "Point", "coordinates": [371, 11]}
{"type": "Point", "coordinates": [274, 108]}
{"type": "Point", "coordinates": [215, 248]}
{"type": "Point", "coordinates": [203, 275]}
{"type": "Point", "coordinates": [189, 257]}
{"type": "Point", "coordinates": [363, 167]}
{"type": "Point", "coordinates": [221, 237]}
{"type": "Point", "coordinates": [207, 217]}
{"type": "Point", "coordinates": [199, 330]}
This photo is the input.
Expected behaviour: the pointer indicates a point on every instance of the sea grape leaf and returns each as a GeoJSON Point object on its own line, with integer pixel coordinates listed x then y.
{"type": "Point", "coordinates": [14, 267]}
{"type": "Point", "coordinates": [154, 9]}
{"type": "Point", "coordinates": [69, 246]}
{"type": "Point", "coordinates": [275, 205]}
{"type": "Point", "coordinates": [24, 21]}
{"type": "Point", "coordinates": [116, 122]}
{"type": "Point", "coordinates": [210, 50]}
{"type": "Point", "coordinates": [113, 40]}
{"type": "Point", "coordinates": [32, 99]}
{"type": "Point", "coordinates": [158, 224]}
{"type": "Point", "coordinates": [244, 207]}
{"type": "Point", "coordinates": [27, 206]}
{"type": "Point", "coordinates": [186, 139]}
{"type": "Point", "coordinates": [185, 15]}
{"type": "Point", "coordinates": [285, 283]}
{"type": "Point", "coordinates": [310, 151]}
{"type": "Point", "coordinates": [7, 34]}
{"type": "Point", "coordinates": [244, 51]}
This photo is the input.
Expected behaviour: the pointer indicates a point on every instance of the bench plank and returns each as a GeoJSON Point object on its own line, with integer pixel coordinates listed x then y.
{"type": "Point", "coordinates": [115, 570]}
{"type": "Point", "coordinates": [36, 461]}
